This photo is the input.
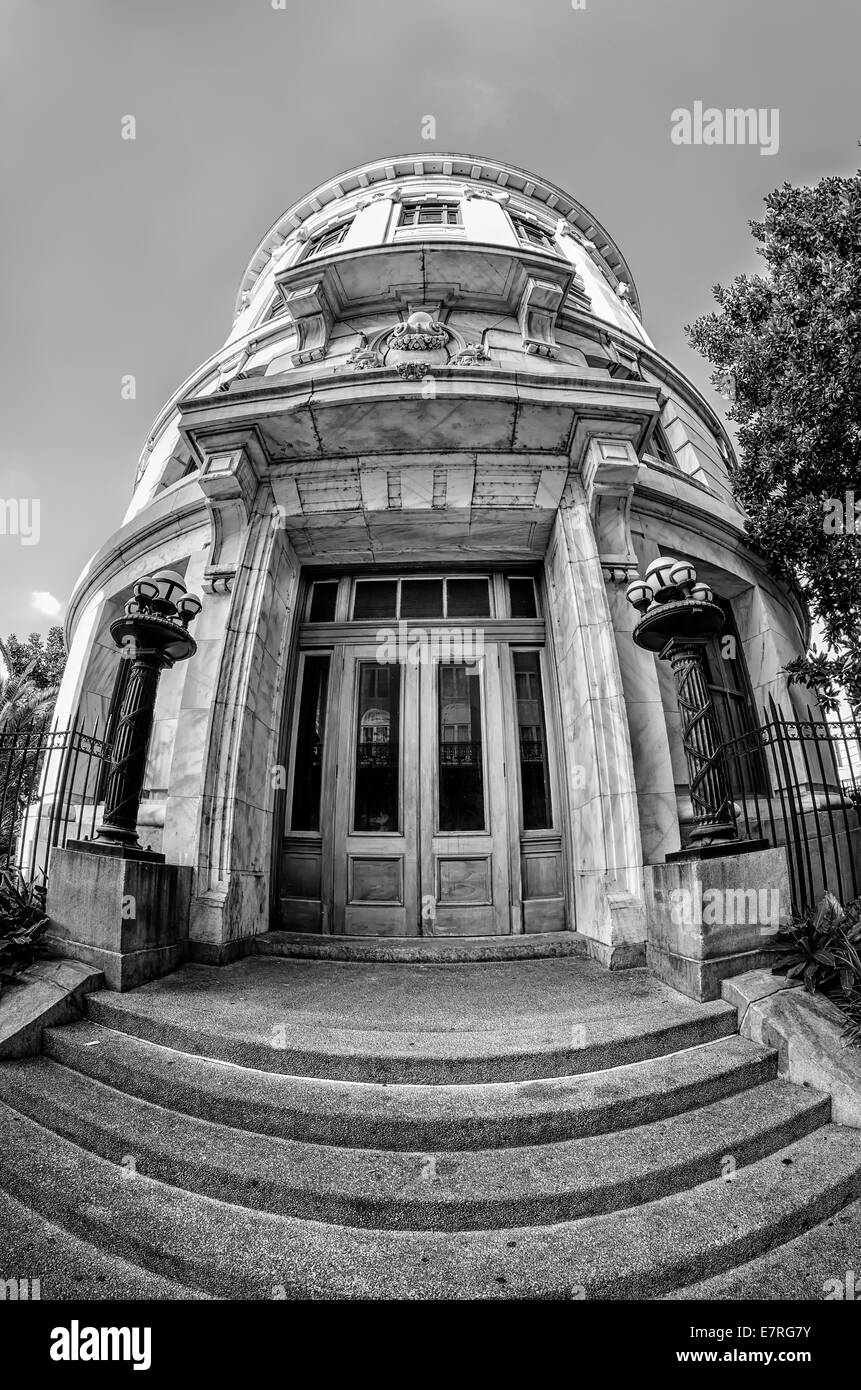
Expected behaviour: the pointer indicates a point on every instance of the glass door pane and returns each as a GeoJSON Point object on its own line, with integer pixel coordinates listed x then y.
{"type": "Point", "coordinates": [532, 737]}
{"type": "Point", "coordinates": [377, 735]}
{"type": "Point", "coordinates": [461, 753]}
{"type": "Point", "coordinates": [310, 738]}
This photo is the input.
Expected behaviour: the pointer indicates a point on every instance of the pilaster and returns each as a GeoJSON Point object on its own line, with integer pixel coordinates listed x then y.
{"type": "Point", "coordinates": [255, 600]}
{"type": "Point", "coordinates": [609, 476]}
{"type": "Point", "coordinates": [599, 774]}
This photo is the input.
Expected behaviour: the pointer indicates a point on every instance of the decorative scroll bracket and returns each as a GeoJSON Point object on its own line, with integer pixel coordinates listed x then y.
{"type": "Point", "coordinates": [229, 476]}
{"type": "Point", "coordinates": [609, 474]}
{"type": "Point", "coordinates": [536, 316]}
{"type": "Point", "coordinates": [311, 311]}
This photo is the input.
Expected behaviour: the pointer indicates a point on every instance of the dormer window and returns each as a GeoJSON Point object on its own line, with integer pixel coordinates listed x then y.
{"type": "Point", "coordinates": [432, 213]}
{"type": "Point", "coordinates": [531, 234]}
{"type": "Point", "coordinates": [327, 240]}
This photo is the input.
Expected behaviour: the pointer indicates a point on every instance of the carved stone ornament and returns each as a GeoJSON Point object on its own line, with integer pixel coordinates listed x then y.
{"type": "Point", "coordinates": [470, 355]}
{"type": "Point", "coordinates": [393, 195]}
{"type": "Point", "coordinates": [363, 358]}
{"type": "Point", "coordinates": [620, 574]}
{"type": "Point", "coordinates": [492, 195]}
{"type": "Point", "coordinates": [420, 333]}
{"type": "Point", "coordinates": [413, 371]}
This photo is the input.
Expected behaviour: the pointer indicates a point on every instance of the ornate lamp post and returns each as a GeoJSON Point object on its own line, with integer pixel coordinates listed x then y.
{"type": "Point", "coordinates": [152, 634]}
{"type": "Point", "coordinates": [678, 619]}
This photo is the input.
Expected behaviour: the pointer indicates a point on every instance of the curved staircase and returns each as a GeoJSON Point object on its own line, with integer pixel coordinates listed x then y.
{"type": "Point", "coordinates": [286, 1128]}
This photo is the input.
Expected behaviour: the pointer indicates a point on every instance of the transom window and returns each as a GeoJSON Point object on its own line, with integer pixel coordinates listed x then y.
{"type": "Point", "coordinates": [413, 597]}
{"type": "Point", "coordinates": [422, 598]}
{"type": "Point", "coordinates": [530, 234]}
{"type": "Point", "coordinates": [430, 214]}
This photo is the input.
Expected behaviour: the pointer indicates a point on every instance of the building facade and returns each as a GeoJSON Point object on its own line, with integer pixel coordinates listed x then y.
{"type": "Point", "coordinates": [412, 487]}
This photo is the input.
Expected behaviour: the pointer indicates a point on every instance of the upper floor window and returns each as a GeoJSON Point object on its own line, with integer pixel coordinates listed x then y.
{"type": "Point", "coordinates": [325, 241]}
{"type": "Point", "coordinates": [660, 449]}
{"type": "Point", "coordinates": [276, 308]}
{"type": "Point", "coordinates": [530, 234]}
{"type": "Point", "coordinates": [430, 214]}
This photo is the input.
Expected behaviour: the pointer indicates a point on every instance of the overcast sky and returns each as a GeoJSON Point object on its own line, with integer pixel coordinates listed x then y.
{"type": "Point", "coordinates": [124, 257]}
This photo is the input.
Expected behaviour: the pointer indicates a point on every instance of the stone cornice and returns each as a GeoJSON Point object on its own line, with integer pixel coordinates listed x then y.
{"type": "Point", "coordinates": [661, 366]}
{"type": "Point", "coordinates": [580, 406]}
{"type": "Point", "coordinates": [458, 167]}
{"type": "Point", "coordinates": [568, 319]}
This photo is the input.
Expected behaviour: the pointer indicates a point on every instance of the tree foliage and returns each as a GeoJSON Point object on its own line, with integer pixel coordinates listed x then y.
{"type": "Point", "coordinates": [44, 659]}
{"type": "Point", "coordinates": [785, 346]}
{"type": "Point", "coordinates": [30, 673]}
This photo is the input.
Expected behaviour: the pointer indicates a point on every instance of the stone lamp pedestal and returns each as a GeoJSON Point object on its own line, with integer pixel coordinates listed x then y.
{"type": "Point", "coordinates": [111, 901]}
{"type": "Point", "coordinates": [714, 908]}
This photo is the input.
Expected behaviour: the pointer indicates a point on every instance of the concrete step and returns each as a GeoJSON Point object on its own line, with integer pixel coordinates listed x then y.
{"type": "Point", "coordinates": [822, 1263]}
{"type": "Point", "coordinates": [464, 1190]}
{"type": "Point", "coordinates": [32, 1248]}
{"type": "Point", "coordinates": [368, 1115]}
{"type": "Point", "coordinates": [232, 1252]}
{"type": "Point", "coordinates": [419, 1025]}
{"type": "Point", "coordinates": [417, 950]}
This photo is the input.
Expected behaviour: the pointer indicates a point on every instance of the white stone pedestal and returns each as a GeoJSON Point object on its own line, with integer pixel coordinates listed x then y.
{"type": "Point", "coordinates": [710, 918]}
{"type": "Point", "coordinates": [128, 917]}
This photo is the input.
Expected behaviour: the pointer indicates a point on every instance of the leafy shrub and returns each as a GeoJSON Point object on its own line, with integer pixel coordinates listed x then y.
{"type": "Point", "coordinates": [23, 922]}
{"type": "Point", "coordinates": [822, 948]}
{"type": "Point", "coordinates": [811, 949]}
{"type": "Point", "coordinates": [852, 1009]}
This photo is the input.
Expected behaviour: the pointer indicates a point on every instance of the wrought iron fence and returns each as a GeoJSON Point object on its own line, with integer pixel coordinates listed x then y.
{"type": "Point", "coordinates": [50, 788]}
{"type": "Point", "coordinates": [797, 782]}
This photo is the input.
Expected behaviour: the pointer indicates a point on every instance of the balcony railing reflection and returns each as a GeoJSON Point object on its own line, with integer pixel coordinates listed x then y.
{"type": "Point", "coordinates": [380, 754]}
{"type": "Point", "coordinates": [459, 754]}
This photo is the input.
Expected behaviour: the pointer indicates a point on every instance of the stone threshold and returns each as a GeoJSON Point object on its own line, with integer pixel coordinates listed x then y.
{"type": "Point", "coordinates": [305, 946]}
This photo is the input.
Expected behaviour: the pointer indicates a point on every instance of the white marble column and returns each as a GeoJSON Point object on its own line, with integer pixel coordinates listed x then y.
{"type": "Point", "coordinates": [254, 605]}
{"type": "Point", "coordinates": [609, 475]}
{"type": "Point", "coordinates": [606, 856]}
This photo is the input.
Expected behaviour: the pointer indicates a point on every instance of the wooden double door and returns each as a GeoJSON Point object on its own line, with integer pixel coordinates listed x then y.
{"type": "Point", "coordinates": [420, 814]}
{"type": "Point", "coordinates": [419, 799]}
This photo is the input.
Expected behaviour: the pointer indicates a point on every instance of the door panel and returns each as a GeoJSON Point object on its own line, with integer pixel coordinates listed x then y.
{"type": "Point", "coordinates": [376, 889]}
{"type": "Point", "coordinates": [463, 816]}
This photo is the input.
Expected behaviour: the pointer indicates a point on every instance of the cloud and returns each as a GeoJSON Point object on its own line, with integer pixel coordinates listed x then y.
{"type": "Point", "coordinates": [45, 603]}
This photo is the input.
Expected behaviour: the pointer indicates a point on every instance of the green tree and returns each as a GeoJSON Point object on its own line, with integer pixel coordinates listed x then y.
{"type": "Point", "coordinates": [786, 348]}
{"type": "Point", "coordinates": [25, 694]}
{"type": "Point", "coordinates": [26, 700]}
{"type": "Point", "coordinates": [44, 659]}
